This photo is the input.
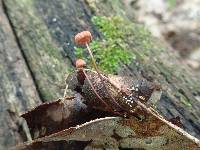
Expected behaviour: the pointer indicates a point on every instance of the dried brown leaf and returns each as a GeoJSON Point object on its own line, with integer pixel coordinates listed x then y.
{"type": "Point", "coordinates": [116, 132]}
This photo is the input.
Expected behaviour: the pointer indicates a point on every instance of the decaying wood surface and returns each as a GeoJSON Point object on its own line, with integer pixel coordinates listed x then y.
{"type": "Point", "coordinates": [44, 31]}
{"type": "Point", "coordinates": [17, 89]}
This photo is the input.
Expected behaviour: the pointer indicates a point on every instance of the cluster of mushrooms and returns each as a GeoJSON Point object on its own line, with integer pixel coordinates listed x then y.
{"type": "Point", "coordinates": [83, 39]}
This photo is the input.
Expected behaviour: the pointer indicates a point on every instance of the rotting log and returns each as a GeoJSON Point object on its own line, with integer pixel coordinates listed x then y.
{"type": "Point", "coordinates": [17, 89]}
{"type": "Point", "coordinates": [43, 27]}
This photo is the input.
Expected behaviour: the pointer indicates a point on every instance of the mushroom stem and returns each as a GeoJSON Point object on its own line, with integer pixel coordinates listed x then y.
{"type": "Point", "coordinates": [93, 60]}
{"type": "Point", "coordinates": [65, 92]}
{"type": "Point", "coordinates": [99, 74]}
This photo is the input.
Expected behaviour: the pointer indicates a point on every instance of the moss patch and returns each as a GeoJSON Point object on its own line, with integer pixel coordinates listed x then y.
{"type": "Point", "coordinates": [112, 49]}
{"type": "Point", "coordinates": [171, 4]}
{"type": "Point", "coordinates": [122, 43]}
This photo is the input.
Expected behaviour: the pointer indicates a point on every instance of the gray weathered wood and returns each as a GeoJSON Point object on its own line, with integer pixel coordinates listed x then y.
{"type": "Point", "coordinates": [43, 27]}
{"type": "Point", "coordinates": [17, 89]}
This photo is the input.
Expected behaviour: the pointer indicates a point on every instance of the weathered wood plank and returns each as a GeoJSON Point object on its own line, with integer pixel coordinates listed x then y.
{"type": "Point", "coordinates": [17, 90]}
{"type": "Point", "coordinates": [43, 27]}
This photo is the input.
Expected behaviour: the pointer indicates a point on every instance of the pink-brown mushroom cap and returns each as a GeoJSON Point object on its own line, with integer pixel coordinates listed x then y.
{"type": "Point", "coordinates": [83, 37]}
{"type": "Point", "coordinates": [80, 63]}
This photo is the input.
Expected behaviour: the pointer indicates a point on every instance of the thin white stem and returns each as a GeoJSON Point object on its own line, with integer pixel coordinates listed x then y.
{"type": "Point", "coordinates": [65, 92]}
{"type": "Point", "coordinates": [93, 60]}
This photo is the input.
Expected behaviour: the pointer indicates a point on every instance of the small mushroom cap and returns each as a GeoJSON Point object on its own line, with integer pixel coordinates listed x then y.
{"type": "Point", "coordinates": [83, 37]}
{"type": "Point", "coordinates": [80, 63]}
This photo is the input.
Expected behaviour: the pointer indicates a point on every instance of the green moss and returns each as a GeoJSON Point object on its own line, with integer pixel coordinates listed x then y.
{"type": "Point", "coordinates": [112, 49]}
{"type": "Point", "coordinates": [122, 43]}
{"type": "Point", "coordinates": [171, 4]}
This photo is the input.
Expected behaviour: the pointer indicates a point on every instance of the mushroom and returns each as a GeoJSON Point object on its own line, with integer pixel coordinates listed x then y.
{"type": "Point", "coordinates": [84, 38]}
{"type": "Point", "coordinates": [80, 63]}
